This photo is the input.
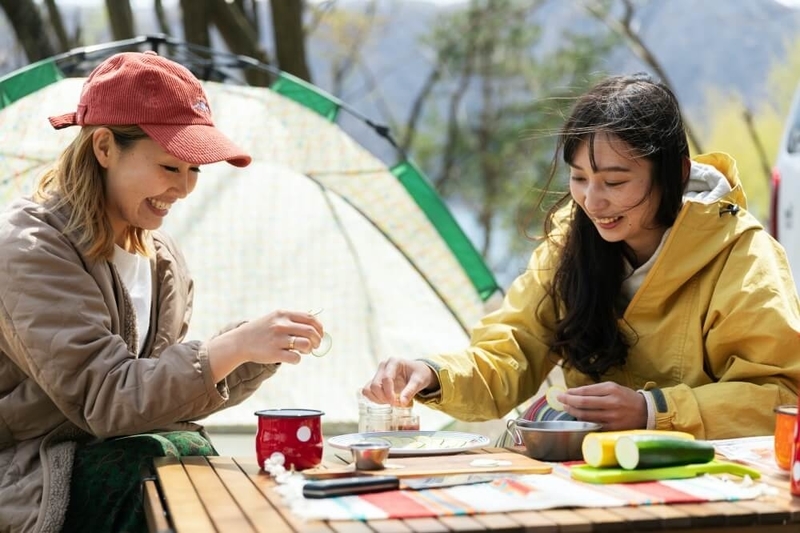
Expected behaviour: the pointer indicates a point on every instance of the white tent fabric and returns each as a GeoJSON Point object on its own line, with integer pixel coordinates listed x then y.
{"type": "Point", "coordinates": [271, 238]}
{"type": "Point", "coordinates": [315, 222]}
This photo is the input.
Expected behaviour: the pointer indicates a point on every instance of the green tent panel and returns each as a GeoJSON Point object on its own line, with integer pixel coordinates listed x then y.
{"type": "Point", "coordinates": [437, 212]}
{"type": "Point", "coordinates": [28, 80]}
{"type": "Point", "coordinates": [306, 95]}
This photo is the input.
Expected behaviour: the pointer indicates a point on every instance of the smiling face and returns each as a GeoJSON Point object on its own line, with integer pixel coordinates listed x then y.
{"type": "Point", "coordinates": [142, 182]}
{"type": "Point", "coordinates": [616, 193]}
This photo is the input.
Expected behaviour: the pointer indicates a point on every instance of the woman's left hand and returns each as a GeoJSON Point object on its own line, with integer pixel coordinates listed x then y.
{"type": "Point", "coordinates": [608, 403]}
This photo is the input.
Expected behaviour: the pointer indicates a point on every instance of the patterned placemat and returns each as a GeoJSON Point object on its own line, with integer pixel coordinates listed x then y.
{"type": "Point", "coordinates": [521, 493]}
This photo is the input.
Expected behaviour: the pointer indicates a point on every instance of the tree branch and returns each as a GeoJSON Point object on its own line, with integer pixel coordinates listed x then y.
{"type": "Point", "coordinates": [623, 27]}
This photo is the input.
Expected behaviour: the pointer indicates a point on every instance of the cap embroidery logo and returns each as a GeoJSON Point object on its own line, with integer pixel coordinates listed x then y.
{"type": "Point", "coordinates": [201, 106]}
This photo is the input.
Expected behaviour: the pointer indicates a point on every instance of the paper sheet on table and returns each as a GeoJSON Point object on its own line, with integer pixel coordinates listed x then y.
{"type": "Point", "coordinates": [754, 451]}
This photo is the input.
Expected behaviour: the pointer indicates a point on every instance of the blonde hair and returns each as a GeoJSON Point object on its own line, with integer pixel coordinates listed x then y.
{"type": "Point", "coordinates": [78, 181]}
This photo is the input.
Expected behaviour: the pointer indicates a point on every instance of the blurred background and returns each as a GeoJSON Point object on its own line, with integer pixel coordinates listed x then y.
{"type": "Point", "coordinates": [470, 90]}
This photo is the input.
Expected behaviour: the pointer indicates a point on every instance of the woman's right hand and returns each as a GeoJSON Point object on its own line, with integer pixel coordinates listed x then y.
{"type": "Point", "coordinates": [399, 377]}
{"type": "Point", "coordinates": [279, 337]}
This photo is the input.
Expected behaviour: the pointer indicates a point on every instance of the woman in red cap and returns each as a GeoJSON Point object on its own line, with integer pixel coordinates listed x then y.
{"type": "Point", "coordinates": [95, 374]}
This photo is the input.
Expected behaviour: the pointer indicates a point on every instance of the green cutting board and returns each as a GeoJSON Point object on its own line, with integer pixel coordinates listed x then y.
{"type": "Point", "coordinates": [592, 474]}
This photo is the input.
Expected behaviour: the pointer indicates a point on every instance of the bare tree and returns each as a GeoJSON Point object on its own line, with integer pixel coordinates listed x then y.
{"type": "Point", "coordinates": [290, 47]}
{"type": "Point", "coordinates": [623, 26]}
{"type": "Point", "coordinates": [161, 17]}
{"type": "Point", "coordinates": [120, 15]}
{"type": "Point", "coordinates": [196, 21]}
{"type": "Point", "coordinates": [56, 22]}
{"type": "Point", "coordinates": [240, 37]}
{"type": "Point", "coordinates": [418, 105]}
{"type": "Point", "coordinates": [29, 28]}
{"type": "Point", "coordinates": [354, 41]}
{"type": "Point", "coordinates": [763, 158]}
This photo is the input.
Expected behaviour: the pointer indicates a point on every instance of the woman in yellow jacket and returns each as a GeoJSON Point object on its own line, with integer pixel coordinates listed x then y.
{"type": "Point", "coordinates": [666, 303]}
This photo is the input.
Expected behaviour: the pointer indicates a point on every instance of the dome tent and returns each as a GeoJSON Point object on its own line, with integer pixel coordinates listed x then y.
{"type": "Point", "coordinates": [315, 222]}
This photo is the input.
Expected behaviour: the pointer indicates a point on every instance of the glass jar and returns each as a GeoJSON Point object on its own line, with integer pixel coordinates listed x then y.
{"type": "Point", "coordinates": [378, 418]}
{"type": "Point", "coordinates": [363, 405]}
{"type": "Point", "coordinates": [404, 418]}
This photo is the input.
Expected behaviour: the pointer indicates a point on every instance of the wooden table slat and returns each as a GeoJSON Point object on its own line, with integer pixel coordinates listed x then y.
{"type": "Point", "coordinates": [568, 521]}
{"type": "Point", "coordinates": [389, 526]}
{"type": "Point", "coordinates": [702, 515]}
{"type": "Point", "coordinates": [769, 512]}
{"type": "Point", "coordinates": [499, 522]}
{"type": "Point", "coordinates": [223, 510]}
{"type": "Point", "coordinates": [602, 519]}
{"type": "Point", "coordinates": [670, 517]}
{"type": "Point", "coordinates": [637, 518]}
{"type": "Point", "coordinates": [233, 494]}
{"type": "Point", "coordinates": [736, 515]}
{"type": "Point", "coordinates": [534, 522]}
{"type": "Point", "coordinates": [153, 508]}
{"type": "Point", "coordinates": [462, 523]}
{"type": "Point", "coordinates": [261, 514]}
{"type": "Point", "coordinates": [349, 527]}
{"type": "Point", "coordinates": [265, 485]}
{"type": "Point", "coordinates": [185, 509]}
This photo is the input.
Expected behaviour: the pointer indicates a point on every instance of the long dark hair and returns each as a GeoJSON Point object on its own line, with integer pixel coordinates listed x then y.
{"type": "Point", "coordinates": [590, 271]}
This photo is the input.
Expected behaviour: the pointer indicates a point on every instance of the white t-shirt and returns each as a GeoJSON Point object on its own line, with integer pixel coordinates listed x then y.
{"type": "Point", "coordinates": [134, 269]}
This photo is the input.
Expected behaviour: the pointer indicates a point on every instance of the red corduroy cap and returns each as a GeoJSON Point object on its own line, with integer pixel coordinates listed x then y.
{"type": "Point", "coordinates": [161, 97]}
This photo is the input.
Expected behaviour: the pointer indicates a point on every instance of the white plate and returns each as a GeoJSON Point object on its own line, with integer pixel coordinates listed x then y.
{"type": "Point", "coordinates": [416, 442]}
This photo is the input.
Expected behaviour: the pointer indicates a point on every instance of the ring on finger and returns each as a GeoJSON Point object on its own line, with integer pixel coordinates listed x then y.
{"type": "Point", "coordinates": [292, 338]}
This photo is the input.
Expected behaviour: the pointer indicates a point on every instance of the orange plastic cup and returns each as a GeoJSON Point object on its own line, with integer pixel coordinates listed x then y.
{"type": "Point", "coordinates": [785, 420]}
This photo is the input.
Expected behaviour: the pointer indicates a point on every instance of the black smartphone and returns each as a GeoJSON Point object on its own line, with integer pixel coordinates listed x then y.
{"type": "Point", "coordinates": [349, 485]}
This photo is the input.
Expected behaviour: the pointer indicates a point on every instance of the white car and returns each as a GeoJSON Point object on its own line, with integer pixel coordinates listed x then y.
{"type": "Point", "coordinates": [784, 217]}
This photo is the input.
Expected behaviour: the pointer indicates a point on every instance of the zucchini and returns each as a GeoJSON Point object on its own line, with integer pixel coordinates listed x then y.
{"type": "Point", "coordinates": [598, 448]}
{"type": "Point", "coordinates": [647, 451]}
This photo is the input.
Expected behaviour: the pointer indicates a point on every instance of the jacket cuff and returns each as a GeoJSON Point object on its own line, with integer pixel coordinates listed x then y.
{"type": "Point", "coordinates": [664, 416]}
{"type": "Point", "coordinates": [205, 368]}
{"type": "Point", "coordinates": [651, 408]}
{"type": "Point", "coordinates": [433, 393]}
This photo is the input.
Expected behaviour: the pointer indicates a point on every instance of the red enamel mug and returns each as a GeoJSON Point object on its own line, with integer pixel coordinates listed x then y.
{"type": "Point", "coordinates": [296, 433]}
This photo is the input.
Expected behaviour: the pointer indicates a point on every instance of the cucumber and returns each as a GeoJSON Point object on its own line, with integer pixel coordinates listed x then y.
{"type": "Point", "coordinates": [646, 451]}
{"type": "Point", "coordinates": [598, 448]}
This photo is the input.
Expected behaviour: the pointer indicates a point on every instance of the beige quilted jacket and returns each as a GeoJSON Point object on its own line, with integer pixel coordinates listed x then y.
{"type": "Point", "coordinates": [68, 369]}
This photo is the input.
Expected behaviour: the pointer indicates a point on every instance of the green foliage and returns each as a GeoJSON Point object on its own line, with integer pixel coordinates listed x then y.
{"type": "Point", "coordinates": [488, 138]}
{"type": "Point", "coordinates": [728, 130]}
{"type": "Point", "coordinates": [784, 76]}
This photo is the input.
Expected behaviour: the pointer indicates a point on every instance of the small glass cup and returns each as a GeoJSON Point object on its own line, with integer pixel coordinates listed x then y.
{"type": "Point", "coordinates": [325, 343]}
{"type": "Point", "coordinates": [785, 420]}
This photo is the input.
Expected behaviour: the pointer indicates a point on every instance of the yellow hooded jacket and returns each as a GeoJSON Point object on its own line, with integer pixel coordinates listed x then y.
{"type": "Point", "coordinates": [716, 323]}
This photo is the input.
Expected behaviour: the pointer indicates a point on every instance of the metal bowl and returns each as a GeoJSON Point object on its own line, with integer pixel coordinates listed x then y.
{"type": "Point", "coordinates": [553, 440]}
{"type": "Point", "coordinates": [370, 455]}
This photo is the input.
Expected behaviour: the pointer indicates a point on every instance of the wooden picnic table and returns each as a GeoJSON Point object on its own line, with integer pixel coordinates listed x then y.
{"type": "Point", "coordinates": [232, 494]}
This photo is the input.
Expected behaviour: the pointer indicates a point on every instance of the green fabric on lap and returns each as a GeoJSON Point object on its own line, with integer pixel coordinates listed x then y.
{"type": "Point", "coordinates": [106, 490]}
